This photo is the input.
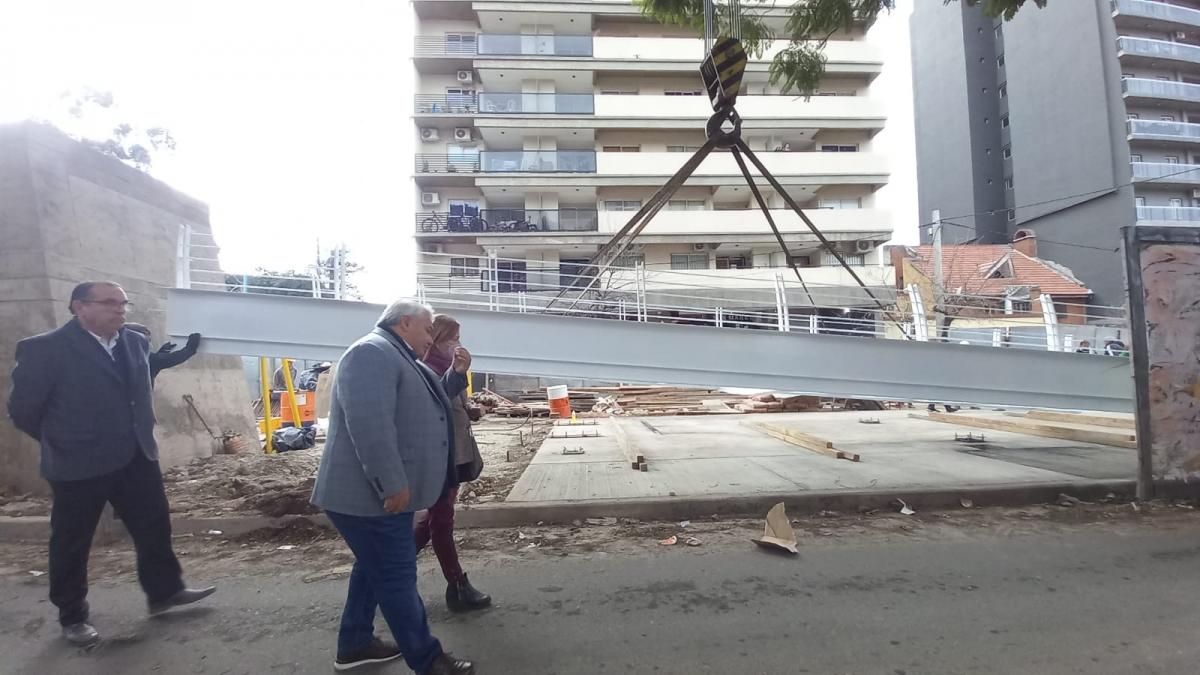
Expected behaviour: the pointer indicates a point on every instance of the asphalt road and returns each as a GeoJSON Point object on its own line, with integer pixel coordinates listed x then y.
{"type": "Point", "coordinates": [1090, 601]}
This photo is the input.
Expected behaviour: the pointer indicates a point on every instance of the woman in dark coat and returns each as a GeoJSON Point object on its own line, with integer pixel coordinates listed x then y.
{"type": "Point", "coordinates": [437, 524]}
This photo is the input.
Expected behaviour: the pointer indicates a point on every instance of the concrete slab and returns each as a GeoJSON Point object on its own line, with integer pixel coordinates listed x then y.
{"type": "Point", "coordinates": [724, 455]}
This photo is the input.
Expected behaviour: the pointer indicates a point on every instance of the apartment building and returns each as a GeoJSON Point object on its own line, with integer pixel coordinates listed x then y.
{"type": "Point", "coordinates": [543, 126]}
{"type": "Point", "coordinates": [1070, 121]}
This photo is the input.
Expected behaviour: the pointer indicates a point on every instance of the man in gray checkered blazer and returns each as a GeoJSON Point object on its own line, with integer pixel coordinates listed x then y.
{"type": "Point", "coordinates": [388, 455]}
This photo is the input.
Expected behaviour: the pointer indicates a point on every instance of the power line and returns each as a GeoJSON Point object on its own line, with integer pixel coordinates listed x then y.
{"type": "Point", "coordinates": [1041, 239]}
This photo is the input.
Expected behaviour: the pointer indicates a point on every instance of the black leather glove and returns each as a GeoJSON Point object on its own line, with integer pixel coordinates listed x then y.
{"type": "Point", "coordinates": [193, 341]}
{"type": "Point", "coordinates": [166, 347]}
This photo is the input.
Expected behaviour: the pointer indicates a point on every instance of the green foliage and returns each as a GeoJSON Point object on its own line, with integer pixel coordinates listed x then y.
{"type": "Point", "coordinates": [810, 24]}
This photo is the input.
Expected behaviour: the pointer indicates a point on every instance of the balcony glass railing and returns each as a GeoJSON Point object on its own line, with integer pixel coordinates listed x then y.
{"type": "Point", "coordinates": [509, 104]}
{"type": "Point", "coordinates": [491, 44]}
{"type": "Point", "coordinates": [1159, 49]}
{"type": "Point", "coordinates": [1164, 172]}
{"type": "Point", "coordinates": [538, 161]}
{"type": "Point", "coordinates": [1160, 11]}
{"type": "Point", "coordinates": [1177, 213]}
{"type": "Point", "coordinates": [1163, 129]}
{"type": "Point", "coordinates": [511, 220]}
{"type": "Point", "coordinates": [1140, 87]}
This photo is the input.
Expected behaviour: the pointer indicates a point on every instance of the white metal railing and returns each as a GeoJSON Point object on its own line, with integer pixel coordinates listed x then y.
{"type": "Point", "coordinates": [780, 302]}
{"type": "Point", "coordinates": [1161, 49]}
{"type": "Point", "coordinates": [1183, 131]}
{"type": "Point", "coordinates": [1175, 213]}
{"type": "Point", "coordinates": [1162, 11]}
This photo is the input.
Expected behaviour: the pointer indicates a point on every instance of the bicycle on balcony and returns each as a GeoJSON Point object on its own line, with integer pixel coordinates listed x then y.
{"type": "Point", "coordinates": [516, 226]}
{"type": "Point", "coordinates": [442, 222]}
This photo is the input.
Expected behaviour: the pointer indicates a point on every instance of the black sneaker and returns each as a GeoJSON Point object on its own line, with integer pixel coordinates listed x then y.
{"type": "Point", "coordinates": [376, 652]}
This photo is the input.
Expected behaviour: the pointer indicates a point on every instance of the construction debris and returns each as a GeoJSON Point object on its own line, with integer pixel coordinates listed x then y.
{"type": "Point", "coordinates": [777, 532]}
{"type": "Point", "coordinates": [806, 441]}
{"type": "Point", "coordinates": [1071, 432]}
{"type": "Point", "coordinates": [904, 508]}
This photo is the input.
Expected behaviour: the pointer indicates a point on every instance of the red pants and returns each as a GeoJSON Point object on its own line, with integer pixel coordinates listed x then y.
{"type": "Point", "coordinates": [437, 525]}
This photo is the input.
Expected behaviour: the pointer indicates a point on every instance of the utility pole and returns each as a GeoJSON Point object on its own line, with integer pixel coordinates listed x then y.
{"type": "Point", "coordinates": [938, 276]}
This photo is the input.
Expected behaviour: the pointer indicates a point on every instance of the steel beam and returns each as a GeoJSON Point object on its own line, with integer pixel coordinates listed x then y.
{"type": "Point", "coordinates": [611, 350]}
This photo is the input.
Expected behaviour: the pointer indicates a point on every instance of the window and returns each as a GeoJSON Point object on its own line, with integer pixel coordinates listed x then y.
{"type": "Point", "coordinates": [839, 148]}
{"type": "Point", "coordinates": [689, 261]}
{"type": "Point", "coordinates": [1006, 153]}
{"type": "Point", "coordinates": [1003, 90]}
{"type": "Point", "coordinates": [1012, 214]}
{"type": "Point", "coordinates": [622, 148]}
{"type": "Point", "coordinates": [995, 31]}
{"type": "Point", "coordinates": [460, 43]}
{"type": "Point", "coordinates": [460, 100]}
{"type": "Point", "coordinates": [683, 92]}
{"type": "Point", "coordinates": [1022, 306]}
{"type": "Point", "coordinates": [464, 267]}
{"type": "Point", "coordinates": [1000, 61]}
{"type": "Point", "coordinates": [987, 120]}
{"type": "Point", "coordinates": [983, 90]}
{"type": "Point", "coordinates": [622, 204]}
{"type": "Point", "coordinates": [803, 261]}
{"type": "Point", "coordinates": [847, 203]}
{"type": "Point", "coordinates": [1175, 202]}
{"type": "Point", "coordinates": [686, 205]}
{"type": "Point", "coordinates": [1008, 183]}
{"type": "Point", "coordinates": [619, 92]}
{"type": "Point", "coordinates": [682, 148]}
{"type": "Point", "coordinates": [1135, 158]}
{"type": "Point", "coordinates": [629, 260]}
{"type": "Point", "coordinates": [855, 260]}
{"type": "Point", "coordinates": [1004, 122]}
{"type": "Point", "coordinates": [1131, 116]}
{"type": "Point", "coordinates": [1167, 118]}
{"type": "Point", "coordinates": [740, 262]}
{"type": "Point", "coordinates": [1139, 201]}
{"type": "Point", "coordinates": [1171, 159]}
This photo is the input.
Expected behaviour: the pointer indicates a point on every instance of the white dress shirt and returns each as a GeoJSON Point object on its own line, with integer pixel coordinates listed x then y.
{"type": "Point", "coordinates": [108, 344]}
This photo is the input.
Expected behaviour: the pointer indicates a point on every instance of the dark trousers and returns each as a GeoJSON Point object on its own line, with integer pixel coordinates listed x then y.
{"type": "Point", "coordinates": [437, 525]}
{"type": "Point", "coordinates": [385, 577]}
{"type": "Point", "coordinates": [137, 495]}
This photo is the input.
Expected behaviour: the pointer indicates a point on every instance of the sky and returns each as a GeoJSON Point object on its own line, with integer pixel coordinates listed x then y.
{"type": "Point", "coordinates": [293, 118]}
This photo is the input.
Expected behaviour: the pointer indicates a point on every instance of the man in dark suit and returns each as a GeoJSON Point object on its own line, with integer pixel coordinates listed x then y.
{"type": "Point", "coordinates": [83, 391]}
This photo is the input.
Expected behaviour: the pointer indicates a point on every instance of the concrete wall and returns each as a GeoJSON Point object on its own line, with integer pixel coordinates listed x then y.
{"type": "Point", "coordinates": [69, 214]}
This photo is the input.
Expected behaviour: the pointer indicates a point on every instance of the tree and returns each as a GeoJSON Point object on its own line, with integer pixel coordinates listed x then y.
{"type": "Point", "coordinates": [319, 280]}
{"type": "Point", "coordinates": [93, 118]}
{"type": "Point", "coordinates": [810, 24]}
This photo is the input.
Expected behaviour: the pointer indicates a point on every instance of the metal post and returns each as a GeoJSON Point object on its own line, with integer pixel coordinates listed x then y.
{"type": "Point", "coordinates": [812, 322]}
{"type": "Point", "coordinates": [1140, 345]}
{"type": "Point", "coordinates": [997, 337]}
{"type": "Point", "coordinates": [939, 281]}
{"type": "Point", "coordinates": [640, 284]}
{"type": "Point", "coordinates": [183, 257]}
{"type": "Point", "coordinates": [264, 377]}
{"type": "Point", "coordinates": [1050, 320]}
{"type": "Point", "coordinates": [720, 318]}
{"type": "Point", "coordinates": [785, 319]}
{"type": "Point", "coordinates": [493, 281]}
{"type": "Point", "coordinates": [340, 262]}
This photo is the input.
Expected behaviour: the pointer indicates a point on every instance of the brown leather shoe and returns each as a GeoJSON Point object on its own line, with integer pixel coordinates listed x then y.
{"type": "Point", "coordinates": [445, 664]}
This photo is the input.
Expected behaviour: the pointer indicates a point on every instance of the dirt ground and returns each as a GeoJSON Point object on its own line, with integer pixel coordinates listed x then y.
{"type": "Point", "coordinates": [310, 552]}
{"type": "Point", "coordinates": [280, 484]}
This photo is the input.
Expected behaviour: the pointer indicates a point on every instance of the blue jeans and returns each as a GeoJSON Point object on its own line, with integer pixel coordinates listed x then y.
{"type": "Point", "coordinates": [384, 576]}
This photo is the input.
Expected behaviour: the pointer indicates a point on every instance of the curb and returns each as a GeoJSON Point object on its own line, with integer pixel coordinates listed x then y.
{"type": "Point", "coordinates": [515, 514]}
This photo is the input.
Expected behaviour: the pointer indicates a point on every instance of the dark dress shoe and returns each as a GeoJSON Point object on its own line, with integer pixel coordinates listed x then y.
{"type": "Point", "coordinates": [376, 652]}
{"type": "Point", "coordinates": [184, 597]}
{"type": "Point", "coordinates": [445, 664]}
{"type": "Point", "coordinates": [82, 634]}
{"type": "Point", "coordinates": [461, 596]}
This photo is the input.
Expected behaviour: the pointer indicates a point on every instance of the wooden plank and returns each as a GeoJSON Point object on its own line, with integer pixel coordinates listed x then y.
{"type": "Point", "coordinates": [1112, 438]}
{"type": "Point", "coordinates": [1082, 418]}
{"type": "Point", "coordinates": [626, 445]}
{"type": "Point", "coordinates": [806, 441]}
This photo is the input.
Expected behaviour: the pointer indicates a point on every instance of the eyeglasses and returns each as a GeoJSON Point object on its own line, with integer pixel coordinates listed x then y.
{"type": "Point", "coordinates": [112, 304]}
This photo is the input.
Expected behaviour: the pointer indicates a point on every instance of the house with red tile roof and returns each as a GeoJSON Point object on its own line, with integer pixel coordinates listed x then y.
{"type": "Point", "coordinates": [992, 280]}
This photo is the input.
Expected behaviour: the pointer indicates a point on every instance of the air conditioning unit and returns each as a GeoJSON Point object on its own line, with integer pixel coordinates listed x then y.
{"type": "Point", "coordinates": [429, 134]}
{"type": "Point", "coordinates": [462, 134]}
{"type": "Point", "coordinates": [430, 199]}
{"type": "Point", "coordinates": [464, 76]}
{"type": "Point", "coordinates": [699, 247]}
{"type": "Point", "coordinates": [863, 246]}
{"type": "Point", "coordinates": [1180, 35]}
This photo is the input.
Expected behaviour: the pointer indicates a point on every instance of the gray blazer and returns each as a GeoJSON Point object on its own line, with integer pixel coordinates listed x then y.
{"type": "Point", "coordinates": [389, 429]}
{"type": "Point", "coordinates": [90, 412]}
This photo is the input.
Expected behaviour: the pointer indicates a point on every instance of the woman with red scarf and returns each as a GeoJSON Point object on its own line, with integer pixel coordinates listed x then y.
{"type": "Point", "coordinates": [437, 524]}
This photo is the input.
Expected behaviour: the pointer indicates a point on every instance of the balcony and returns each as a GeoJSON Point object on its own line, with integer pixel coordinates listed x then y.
{"type": "Point", "coordinates": [536, 104]}
{"type": "Point", "coordinates": [1161, 130]}
{"type": "Point", "coordinates": [1166, 174]}
{"type": "Point", "coordinates": [1158, 50]}
{"type": "Point", "coordinates": [1160, 14]}
{"type": "Point", "coordinates": [491, 44]}
{"type": "Point", "coordinates": [1160, 90]}
{"type": "Point", "coordinates": [751, 222]}
{"type": "Point", "coordinates": [501, 220]}
{"type": "Point", "coordinates": [435, 104]}
{"type": "Point", "coordinates": [538, 161]}
{"type": "Point", "coordinates": [723, 164]}
{"type": "Point", "coordinates": [1189, 214]}
{"type": "Point", "coordinates": [750, 107]}
{"type": "Point", "coordinates": [459, 163]}
{"type": "Point", "coordinates": [691, 50]}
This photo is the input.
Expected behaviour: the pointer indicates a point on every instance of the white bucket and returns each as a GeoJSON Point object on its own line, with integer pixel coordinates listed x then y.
{"type": "Point", "coordinates": [560, 401]}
